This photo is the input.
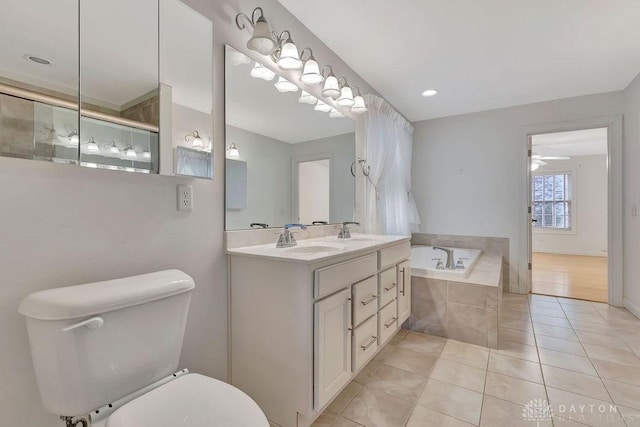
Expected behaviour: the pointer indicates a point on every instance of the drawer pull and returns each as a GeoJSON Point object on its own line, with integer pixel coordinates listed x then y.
{"type": "Point", "coordinates": [366, 347]}
{"type": "Point", "coordinates": [393, 285]}
{"type": "Point", "coordinates": [388, 325]}
{"type": "Point", "coordinates": [370, 300]}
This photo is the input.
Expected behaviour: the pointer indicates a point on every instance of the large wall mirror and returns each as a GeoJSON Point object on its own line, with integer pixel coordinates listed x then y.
{"type": "Point", "coordinates": [286, 162]}
{"type": "Point", "coordinates": [112, 85]}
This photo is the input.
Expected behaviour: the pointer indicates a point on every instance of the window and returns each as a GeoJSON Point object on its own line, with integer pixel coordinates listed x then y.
{"type": "Point", "coordinates": [552, 201]}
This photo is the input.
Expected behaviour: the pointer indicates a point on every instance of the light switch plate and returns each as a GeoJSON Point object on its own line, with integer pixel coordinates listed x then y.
{"type": "Point", "coordinates": [185, 198]}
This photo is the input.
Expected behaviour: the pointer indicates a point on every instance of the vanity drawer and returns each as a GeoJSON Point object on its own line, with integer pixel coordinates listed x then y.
{"type": "Point", "coordinates": [365, 299]}
{"type": "Point", "coordinates": [395, 254]}
{"type": "Point", "coordinates": [339, 276]}
{"type": "Point", "coordinates": [388, 319]}
{"type": "Point", "coordinates": [365, 343]}
{"type": "Point", "coordinates": [388, 286]}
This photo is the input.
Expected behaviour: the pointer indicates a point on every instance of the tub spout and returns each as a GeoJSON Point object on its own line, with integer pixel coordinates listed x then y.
{"type": "Point", "coordinates": [450, 264]}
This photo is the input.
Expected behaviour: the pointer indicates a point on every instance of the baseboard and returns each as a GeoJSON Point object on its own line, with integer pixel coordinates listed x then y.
{"type": "Point", "coordinates": [634, 309]}
{"type": "Point", "coordinates": [577, 253]}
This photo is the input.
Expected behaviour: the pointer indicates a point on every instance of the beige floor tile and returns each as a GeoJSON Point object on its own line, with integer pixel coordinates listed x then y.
{"type": "Point", "coordinates": [554, 331]}
{"type": "Point", "coordinates": [631, 416]}
{"type": "Point", "coordinates": [412, 361]}
{"type": "Point", "coordinates": [591, 318]}
{"type": "Point", "coordinates": [366, 372]}
{"type": "Point", "coordinates": [520, 325]}
{"type": "Point", "coordinates": [560, 344]}
{"type": "Point", "coordinates": [592, 327]}
{"type": "Point", "coordinates": [550, 320]}
{"type": "Point", "coordinates": [583, 409]}
{"type": "Point", "coordinates": [623, 394]}
{"type": "Point", "coordinates": [376, 408]}
{"type": "Point", "coordinates": [344, 398]}
{"type": "Point", "coordinates": [518, 368]}
{"type": "Point", "coordinates": [575, 382]}
{"type": "Point", "coordinates": [458, 374]}
{"type": "Point", "coordinates": [537, 310]}
{"type": "Point", "coordinates": [344, 422]}
{"type": "Point", "coordinates": [612, 355]}
{"type": "Point", "coordinates": [518, 350]}
{"type": "Point", "coordinates": [423, 417]}
{"type": "Point", "coordinates": [516, 306]}
{"type": "Point", "coordinates": [423, 343]}
{"type": "Point", "coordinates": [515, 314]}
{"type": "Point", "coordinates": [611, 341]}
{"type": "Point", "coordinates": [500, 413]}
{"type": "Point", "coordinates": [467, 354]}
{"type": "Point", "coordinates": [513, 389]}
{"type": "Point", "coordinates": [452, 400]}
{"type": "Point", "coordinates": [617, 372]}
{"type": "Point", "coordinates": [579, 309]}
{"type": "Point", "coordinates": [546, 299]}
{"type": "Point", "coordinates": [385, 352]}
{"type": "Point", "coordinates": [514, 335]}
{"type": "Point", "coordinates": [579, 302]}
{"type": "Point", "coordinates": [567, 361]}
{"type": "Point", "coordinates": [398, 382]}
{"type": "Point", "coordinates": [326, 419]}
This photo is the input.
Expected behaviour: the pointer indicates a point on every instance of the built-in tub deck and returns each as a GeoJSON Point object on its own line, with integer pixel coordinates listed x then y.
{"type": "Point", "coordinates": [462, 308]}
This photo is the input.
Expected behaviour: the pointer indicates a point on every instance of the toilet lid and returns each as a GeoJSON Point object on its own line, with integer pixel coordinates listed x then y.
{"type": "Point", "coordinates": [190, 400]}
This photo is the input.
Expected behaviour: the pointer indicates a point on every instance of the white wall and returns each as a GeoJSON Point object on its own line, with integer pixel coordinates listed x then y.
{"type": "Point", "coordinates": [588, 235]}
{"type": "Point", "coordinates": [466, 169]}
{"type": "Point", "coordinates": [64, 225]}
{"type": "Point", "coordinates": [631, 195]}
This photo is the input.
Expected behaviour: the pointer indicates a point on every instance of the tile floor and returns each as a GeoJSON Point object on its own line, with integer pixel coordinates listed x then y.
{"type": "Point", "coordinates": [581, 357]}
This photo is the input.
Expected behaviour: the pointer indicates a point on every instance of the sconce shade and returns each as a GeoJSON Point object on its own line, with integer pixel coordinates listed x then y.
{"type": "Point", "coordinates": [307, 98]}
{"type": "Point", "coordinates": [289, 57]}
{"type": "Point", "coordinates": [130, 152]}
{"type": "Point", "coordinates": [261, 41]}
{"type": "Point", "coordinates": [232, 151]}
{"type": "Point", "coordinates": [74, 138]}
{"type": "Point", "coordinates": [114, 148]}
{"type": "Point", "coordinates": [321, 106]}
{"type": "Point", "coordinates": [196, 140]}
{"type": "Point", "coordinates": [359, 106]}
{"type": "Point", "coordinates": [92, 146]}
{"type": "Point", "coordinates": [335, 114]}
{"type": "Point", "coordinates": [284, 85]}
{"type": "Point", "coordinates": [146, 153]}
{"type": "Point", "coordinates": [331, 87]}
{"type": "Point", "coordinates": [346, 97]}
{"type": "Point", "coordinates": [311, 73]}
{"type": "Point", "coordinates": [259, 71]}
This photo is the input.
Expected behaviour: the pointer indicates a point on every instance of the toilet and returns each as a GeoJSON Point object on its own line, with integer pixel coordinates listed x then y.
{"type": "Point", "coordinates": [108, 353]}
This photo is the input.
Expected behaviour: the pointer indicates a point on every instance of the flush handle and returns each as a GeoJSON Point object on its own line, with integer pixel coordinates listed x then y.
{"type": "Point", "coordinates": [91, 324]}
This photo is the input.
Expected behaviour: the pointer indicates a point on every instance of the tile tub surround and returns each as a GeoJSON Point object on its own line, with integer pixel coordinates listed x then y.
{"type": "Point", "coordinates": [466, 310]}
{"type": "Point", "coordinates": [460, 384]}
{"type": "Point", "coordinates": [488, 245]}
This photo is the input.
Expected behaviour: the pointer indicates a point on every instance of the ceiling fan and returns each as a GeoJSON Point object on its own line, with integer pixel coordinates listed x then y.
{"type": "Point", "coordinates": [537, 160]}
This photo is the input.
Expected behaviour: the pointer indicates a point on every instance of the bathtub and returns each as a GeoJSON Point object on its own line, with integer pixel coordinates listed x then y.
{"type": "Point", "coordinates": [424, 260]}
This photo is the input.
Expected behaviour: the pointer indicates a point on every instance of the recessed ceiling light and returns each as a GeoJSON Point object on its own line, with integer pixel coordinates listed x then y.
{"type": "Point", "coordinates": [429, 92]}
{"type": "Point", "coordinates": [38, 60]}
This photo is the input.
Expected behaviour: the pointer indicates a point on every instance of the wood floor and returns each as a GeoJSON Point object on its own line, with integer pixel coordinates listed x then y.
{"type": "Point", "coordinates": [571, 276]}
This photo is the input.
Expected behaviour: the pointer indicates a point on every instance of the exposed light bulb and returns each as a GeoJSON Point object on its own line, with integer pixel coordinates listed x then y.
{"type": "Point", "coordinates": [284, 85]}
{"type": "Point", "coordinates": [114, 149]}
{"type": "Point", "coordinates": [130, 152]}
{"type": "Point", "coordinates": [146, 153]}
{"type": "Point", "coordinates": [74, 138]}
{"type": "Point", "coordinates": [335, 114]}
{"type": "Point", "coordinates": [259, 71]}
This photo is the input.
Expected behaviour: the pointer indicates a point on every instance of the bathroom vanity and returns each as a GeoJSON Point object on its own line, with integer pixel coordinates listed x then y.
{"type": "Point", "coordinates": [306, 319]}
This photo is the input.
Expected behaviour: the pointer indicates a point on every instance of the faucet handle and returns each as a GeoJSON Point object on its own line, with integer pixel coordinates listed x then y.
{"type": "Point", "coordinates": [282, 241]}
{"type": "Point", "coordinates": [350, 223]}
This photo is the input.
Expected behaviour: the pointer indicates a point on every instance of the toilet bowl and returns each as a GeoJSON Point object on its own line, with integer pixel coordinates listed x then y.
{"type": "Point", "coordinates": [107, 352]}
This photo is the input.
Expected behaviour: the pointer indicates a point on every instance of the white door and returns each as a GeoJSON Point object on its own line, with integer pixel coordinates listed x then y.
{"type": "Point", "coordinates": [332, 346]}
{"type": "Point", "coordinates": [404, 292]}
{"type": "Point", "coordinates": [314, 179]}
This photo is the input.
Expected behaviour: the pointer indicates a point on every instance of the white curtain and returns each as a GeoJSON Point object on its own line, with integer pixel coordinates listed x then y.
{"type": "Point", "coordinates": [391, 208]}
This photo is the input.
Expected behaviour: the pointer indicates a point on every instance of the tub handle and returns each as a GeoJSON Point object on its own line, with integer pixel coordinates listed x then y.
{"type": "Point", "coordinates": [370, 300]}
{"type": "Point", "coordinates": [91, 324]}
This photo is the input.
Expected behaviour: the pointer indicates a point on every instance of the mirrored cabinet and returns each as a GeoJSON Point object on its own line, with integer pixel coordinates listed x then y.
{"type": "Point", "coordinates": [108, 85]}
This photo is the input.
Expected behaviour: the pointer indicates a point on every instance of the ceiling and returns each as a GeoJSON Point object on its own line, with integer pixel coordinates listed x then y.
{"type": "Point", "coordinates": [480, 55]}
{"type": "Point", "coordinates": [255, 105]}
{"type": "Point", "coordinates": [587, 142]}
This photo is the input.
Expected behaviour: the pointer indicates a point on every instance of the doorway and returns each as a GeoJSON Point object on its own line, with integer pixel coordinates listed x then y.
{"type": "Point", "coordinates": [313, 191]}
{"type": "Point", "coordinates": [569, 214]}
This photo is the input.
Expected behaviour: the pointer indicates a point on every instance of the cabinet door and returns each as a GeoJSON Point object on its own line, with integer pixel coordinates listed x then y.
{"type": "Point", "coordinates": [332, 346]}
{"type": "Point", "coordinates": [404, 291]}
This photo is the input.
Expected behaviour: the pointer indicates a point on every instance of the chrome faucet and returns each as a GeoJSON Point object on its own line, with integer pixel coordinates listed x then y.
{"type": "Point", "coordinates": [287, 239]}
{"type": "Point", "coordinates": [450, 265]}
{"type": "Point", "coordinates": [344, 232]}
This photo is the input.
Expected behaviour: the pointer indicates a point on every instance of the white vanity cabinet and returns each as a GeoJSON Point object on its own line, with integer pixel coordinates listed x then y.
{"type": "Point", "coordinates": [300, 330]}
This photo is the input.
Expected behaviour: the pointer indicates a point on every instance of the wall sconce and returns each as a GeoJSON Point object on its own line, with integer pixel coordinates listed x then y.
{"type": "Point", "coordinates": [146, 153]}
{"type": "Point", "coordinates": [113, 148]}
{"type": "Point", "coordinates": [73, 136]}
{"type": "Point", "coordinates": [358, 106]}
{"type": "Point", "coordinates": [346, 94]}
{"type": "Point", "coordinates": [322, 106]}
{"type": "Point", "coordinates": [311, 72]}
{"type": "Point", "coordinates": [331, 84]}
{"type": "Point", "coordinates": [335, 114]}
{"type": "Point", "coordinates": [307, 98]}
{"type": "Point", "coordinates": [232, 151]}
{"type": "Point", "coordinates": [286, 55]}
{"type": "Point", "coordinates": [259, 71]}
{"type": "Point", "coordinates": [284, 85]}
{"type": "Point", "coordinates": [92, 145]}
{"type": "Point", "coordinates": [261, 39]}
{"type": "Point", "coordinates": [130, 152]}
{"type": "Point", "coordinates": [196, 140]}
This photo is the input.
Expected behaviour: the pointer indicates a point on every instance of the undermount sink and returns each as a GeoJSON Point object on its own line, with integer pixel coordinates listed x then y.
{"type": "Point", "coordinates": [313, 249]}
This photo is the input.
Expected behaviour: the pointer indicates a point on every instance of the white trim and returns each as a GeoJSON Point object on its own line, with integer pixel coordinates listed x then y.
{"type": "Point", "coordinates": [614, 211]}
{"type": "Point", "coordinates": [577, 253]}
{"type": "Point", "coordinates": [634, 309]}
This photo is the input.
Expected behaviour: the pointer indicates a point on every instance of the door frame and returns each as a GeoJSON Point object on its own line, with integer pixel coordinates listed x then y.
{"type": "Point", "coordinates": [295, 160]}
{"type": "Point", "coordinates": [614, 198]}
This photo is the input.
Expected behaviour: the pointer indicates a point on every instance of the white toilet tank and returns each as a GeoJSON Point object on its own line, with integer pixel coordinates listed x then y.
{"type": "Point", "coordinates": [92, 344]}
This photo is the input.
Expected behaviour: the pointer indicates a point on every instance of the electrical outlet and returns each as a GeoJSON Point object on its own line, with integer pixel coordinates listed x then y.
{"type": "Point", "coordinates": [185, 198]}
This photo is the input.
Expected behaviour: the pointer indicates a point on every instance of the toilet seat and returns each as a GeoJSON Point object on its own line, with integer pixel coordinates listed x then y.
{"type": "Point", "coordinates": [190, 400]}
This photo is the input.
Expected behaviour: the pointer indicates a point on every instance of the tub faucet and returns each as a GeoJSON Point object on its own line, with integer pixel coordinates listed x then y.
{"type": "Point", "coordinates": [450, 265]}
{"type": "Point", "coordinates": [287, 239]}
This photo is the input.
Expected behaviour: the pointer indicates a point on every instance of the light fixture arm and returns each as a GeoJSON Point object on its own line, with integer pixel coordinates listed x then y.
{"type": "Point", "coordinates": [192, 136]}
{"type": "Point", "coordinates": [342, 82]}
{"type": "Point", "coordinates": [356, 91]}
{"type": "Point", "coordinates": [306, 49]}
{"type": "Point", "coordinates": [251, 21]}
{"type": "Point", "coordinates": [330, 71]}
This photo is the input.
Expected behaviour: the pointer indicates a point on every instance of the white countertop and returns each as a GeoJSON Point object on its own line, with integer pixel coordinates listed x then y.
{"type": "Point", "coordinates": [333, 248]}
